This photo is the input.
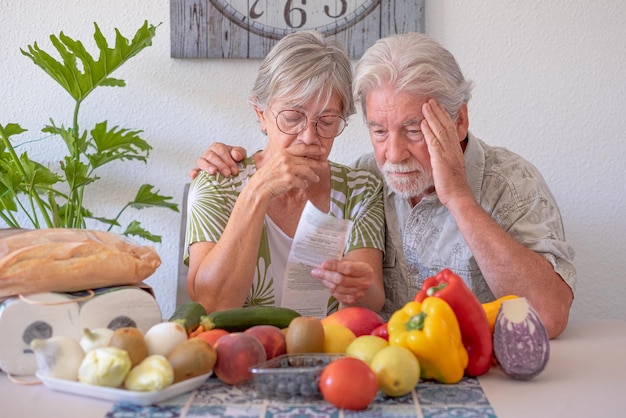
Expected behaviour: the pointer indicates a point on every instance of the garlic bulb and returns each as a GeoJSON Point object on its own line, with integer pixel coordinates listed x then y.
{"type": "Point", "coordinates": [58, 356]}
{"type": "Point", "coordinates": [95, 338]}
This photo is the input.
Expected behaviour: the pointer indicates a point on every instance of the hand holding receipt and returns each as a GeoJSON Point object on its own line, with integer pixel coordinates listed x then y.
{"type": "Point", "coordinates": [319, 237]}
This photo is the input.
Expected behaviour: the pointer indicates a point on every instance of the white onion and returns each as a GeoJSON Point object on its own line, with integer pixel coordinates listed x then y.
{"type": "Point", "coordinates": [163, 337]}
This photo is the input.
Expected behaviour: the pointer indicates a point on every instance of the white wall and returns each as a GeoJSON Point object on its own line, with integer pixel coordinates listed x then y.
{"type": "Point", "coordinates": [550, 84]}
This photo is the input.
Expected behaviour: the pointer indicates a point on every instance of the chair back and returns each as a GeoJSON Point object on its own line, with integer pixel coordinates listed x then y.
{"type": "Point", "coordinates": [181, 291]}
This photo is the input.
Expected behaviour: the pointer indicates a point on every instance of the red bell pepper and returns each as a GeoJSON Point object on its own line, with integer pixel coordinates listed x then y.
{"type": "Point", "coordinates": [470, 314]}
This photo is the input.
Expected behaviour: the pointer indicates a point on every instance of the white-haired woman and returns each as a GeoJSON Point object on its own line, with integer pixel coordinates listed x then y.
{"type": "Point", "coordinates": [240, 228]}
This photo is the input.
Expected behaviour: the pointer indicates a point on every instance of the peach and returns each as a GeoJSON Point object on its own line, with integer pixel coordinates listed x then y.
{"type": "Point", "coordinates": [272, 338]}
{"type": "Point", "coordinates": [236, 353]}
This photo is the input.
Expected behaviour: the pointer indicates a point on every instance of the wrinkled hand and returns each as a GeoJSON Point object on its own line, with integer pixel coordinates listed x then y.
{"type": "Point", "coordinates": [287, 169]}
{"type": "Point", "coordinates": [346, 280]}
{"type": "Point", "coordinates": [220, 158]}
{"type": "Point", "coordinates": [223, 158]}
{"type": "Point", "coordinates": [446, 154]}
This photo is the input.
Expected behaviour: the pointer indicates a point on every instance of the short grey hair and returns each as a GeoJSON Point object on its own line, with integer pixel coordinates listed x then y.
{"type": "Point", "coordinates": [303, 66]}
{"type": "Point", "coordinates": [414, 63]}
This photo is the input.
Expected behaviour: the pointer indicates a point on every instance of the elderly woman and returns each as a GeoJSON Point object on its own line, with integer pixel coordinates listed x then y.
{"type": "Point", "coordinates": [241, 228]}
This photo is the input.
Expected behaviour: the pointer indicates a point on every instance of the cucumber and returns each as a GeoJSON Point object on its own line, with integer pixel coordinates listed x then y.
{"type": "Point", "coordinates": [240, 319]}
{"type": "Point", "coordinates": [188, 315]}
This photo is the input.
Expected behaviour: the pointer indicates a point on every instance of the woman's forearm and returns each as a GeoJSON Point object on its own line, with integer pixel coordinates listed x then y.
{"type": "Point", "coordinates": [220, 274]}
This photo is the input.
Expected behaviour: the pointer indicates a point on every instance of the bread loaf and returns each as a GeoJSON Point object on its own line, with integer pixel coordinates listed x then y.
{"type": "Point", "coordinates": [67, 260]}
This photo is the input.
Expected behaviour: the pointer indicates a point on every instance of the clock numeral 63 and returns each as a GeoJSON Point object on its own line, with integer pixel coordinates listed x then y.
{"type": "Point", "coordinates": [295, 17]}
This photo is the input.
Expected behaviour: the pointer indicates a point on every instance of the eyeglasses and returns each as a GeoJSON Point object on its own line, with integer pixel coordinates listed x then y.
{"type": "Point", "coordinates": [293, 122]}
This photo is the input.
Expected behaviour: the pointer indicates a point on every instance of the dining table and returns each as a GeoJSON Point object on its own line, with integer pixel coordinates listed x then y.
{"type": "Point", "coordinates": [585, 377]}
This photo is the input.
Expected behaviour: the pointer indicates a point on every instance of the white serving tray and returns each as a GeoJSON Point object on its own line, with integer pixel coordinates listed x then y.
{"type": "Point", "coordinates": [123, 395]}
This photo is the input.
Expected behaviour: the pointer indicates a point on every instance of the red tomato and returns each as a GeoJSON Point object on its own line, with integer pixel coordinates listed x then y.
{"type": "Point", "coordinates": [337, 383]}
{"type": "Point", "coordinates": [211, 335]}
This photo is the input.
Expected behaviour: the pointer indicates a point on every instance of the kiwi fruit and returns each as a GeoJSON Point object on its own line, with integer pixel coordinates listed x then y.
{"type": "Point", "coordinates": [305, 334]}
{"type": "Point", "coordinates": [130, 339]}
{"type": "Point", "coordinates": [192, 358]}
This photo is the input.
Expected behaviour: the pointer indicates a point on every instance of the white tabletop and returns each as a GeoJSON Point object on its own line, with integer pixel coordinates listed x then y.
{"type": "Point", "coordinates": [586, 376]}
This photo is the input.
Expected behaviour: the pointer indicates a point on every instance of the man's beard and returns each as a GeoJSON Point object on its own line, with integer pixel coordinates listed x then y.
{"type": "Point", "coordinates": [407, 187]}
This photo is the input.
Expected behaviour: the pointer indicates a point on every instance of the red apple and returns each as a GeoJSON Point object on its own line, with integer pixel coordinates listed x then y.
{"type": "Point", "coordinates": [381, 331]}
{"type": "Point", "coordinates": [236, 353]}
{"type": "Point", "coordinates": [361, 321]}
{"type": "Point", "coordinates": [272, 338]}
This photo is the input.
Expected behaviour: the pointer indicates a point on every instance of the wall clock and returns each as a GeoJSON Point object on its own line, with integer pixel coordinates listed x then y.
{"type": "Point", "coordinates": [249, 28]}
{"type": "Point", "coordinates": [275, 20]}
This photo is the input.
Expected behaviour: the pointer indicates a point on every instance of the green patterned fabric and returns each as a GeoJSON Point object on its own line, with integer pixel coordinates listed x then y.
{"type": "Point", "coordinates": [355, 195]}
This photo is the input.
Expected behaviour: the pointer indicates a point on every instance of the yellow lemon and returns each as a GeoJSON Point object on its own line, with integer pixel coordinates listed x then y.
{"type": "Point", "coordinates": [397, 370]}
{"type": "Point", "coordinates": [337, 338]}
{"type": "Point", "coordinates": [365, 347]}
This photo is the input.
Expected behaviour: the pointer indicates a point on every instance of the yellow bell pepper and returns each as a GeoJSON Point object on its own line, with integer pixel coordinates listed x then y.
{"type": "Point", "coordinates": [431, 331]}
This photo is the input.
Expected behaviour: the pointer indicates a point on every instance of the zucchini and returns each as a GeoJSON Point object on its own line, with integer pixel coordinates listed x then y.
{"type": "Point", "coordinates": [188, 315]}
{"type": "Point", "coordinates": [240, 319]}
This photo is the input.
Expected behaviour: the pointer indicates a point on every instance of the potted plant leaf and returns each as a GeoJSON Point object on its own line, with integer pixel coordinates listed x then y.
{"type": "Point", "coordinates": [54, 197]}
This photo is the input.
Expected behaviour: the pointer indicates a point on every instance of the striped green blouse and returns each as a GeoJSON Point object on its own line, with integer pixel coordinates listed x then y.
{"type": "Point", "coordinates": [355, 195]}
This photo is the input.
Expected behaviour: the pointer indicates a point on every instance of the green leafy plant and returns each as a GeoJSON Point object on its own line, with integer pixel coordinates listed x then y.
{"type": "Point", "coordinates": [54, 198]}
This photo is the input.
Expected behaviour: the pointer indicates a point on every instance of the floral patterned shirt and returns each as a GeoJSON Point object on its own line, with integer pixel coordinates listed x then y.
{"type": "Point", "coordinates": [355, 195]}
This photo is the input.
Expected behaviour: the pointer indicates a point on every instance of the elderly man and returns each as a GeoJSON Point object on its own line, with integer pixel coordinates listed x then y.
{"type": "Point", "coordinates": [451, 200]}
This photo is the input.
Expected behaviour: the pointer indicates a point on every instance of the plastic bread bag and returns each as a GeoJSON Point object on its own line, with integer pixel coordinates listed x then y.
{"type": "Point", "coordinates": [68, 260]}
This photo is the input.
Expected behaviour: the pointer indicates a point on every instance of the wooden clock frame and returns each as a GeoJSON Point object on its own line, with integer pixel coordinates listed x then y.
{"type": "Point", "coordinates": [199, 29]}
